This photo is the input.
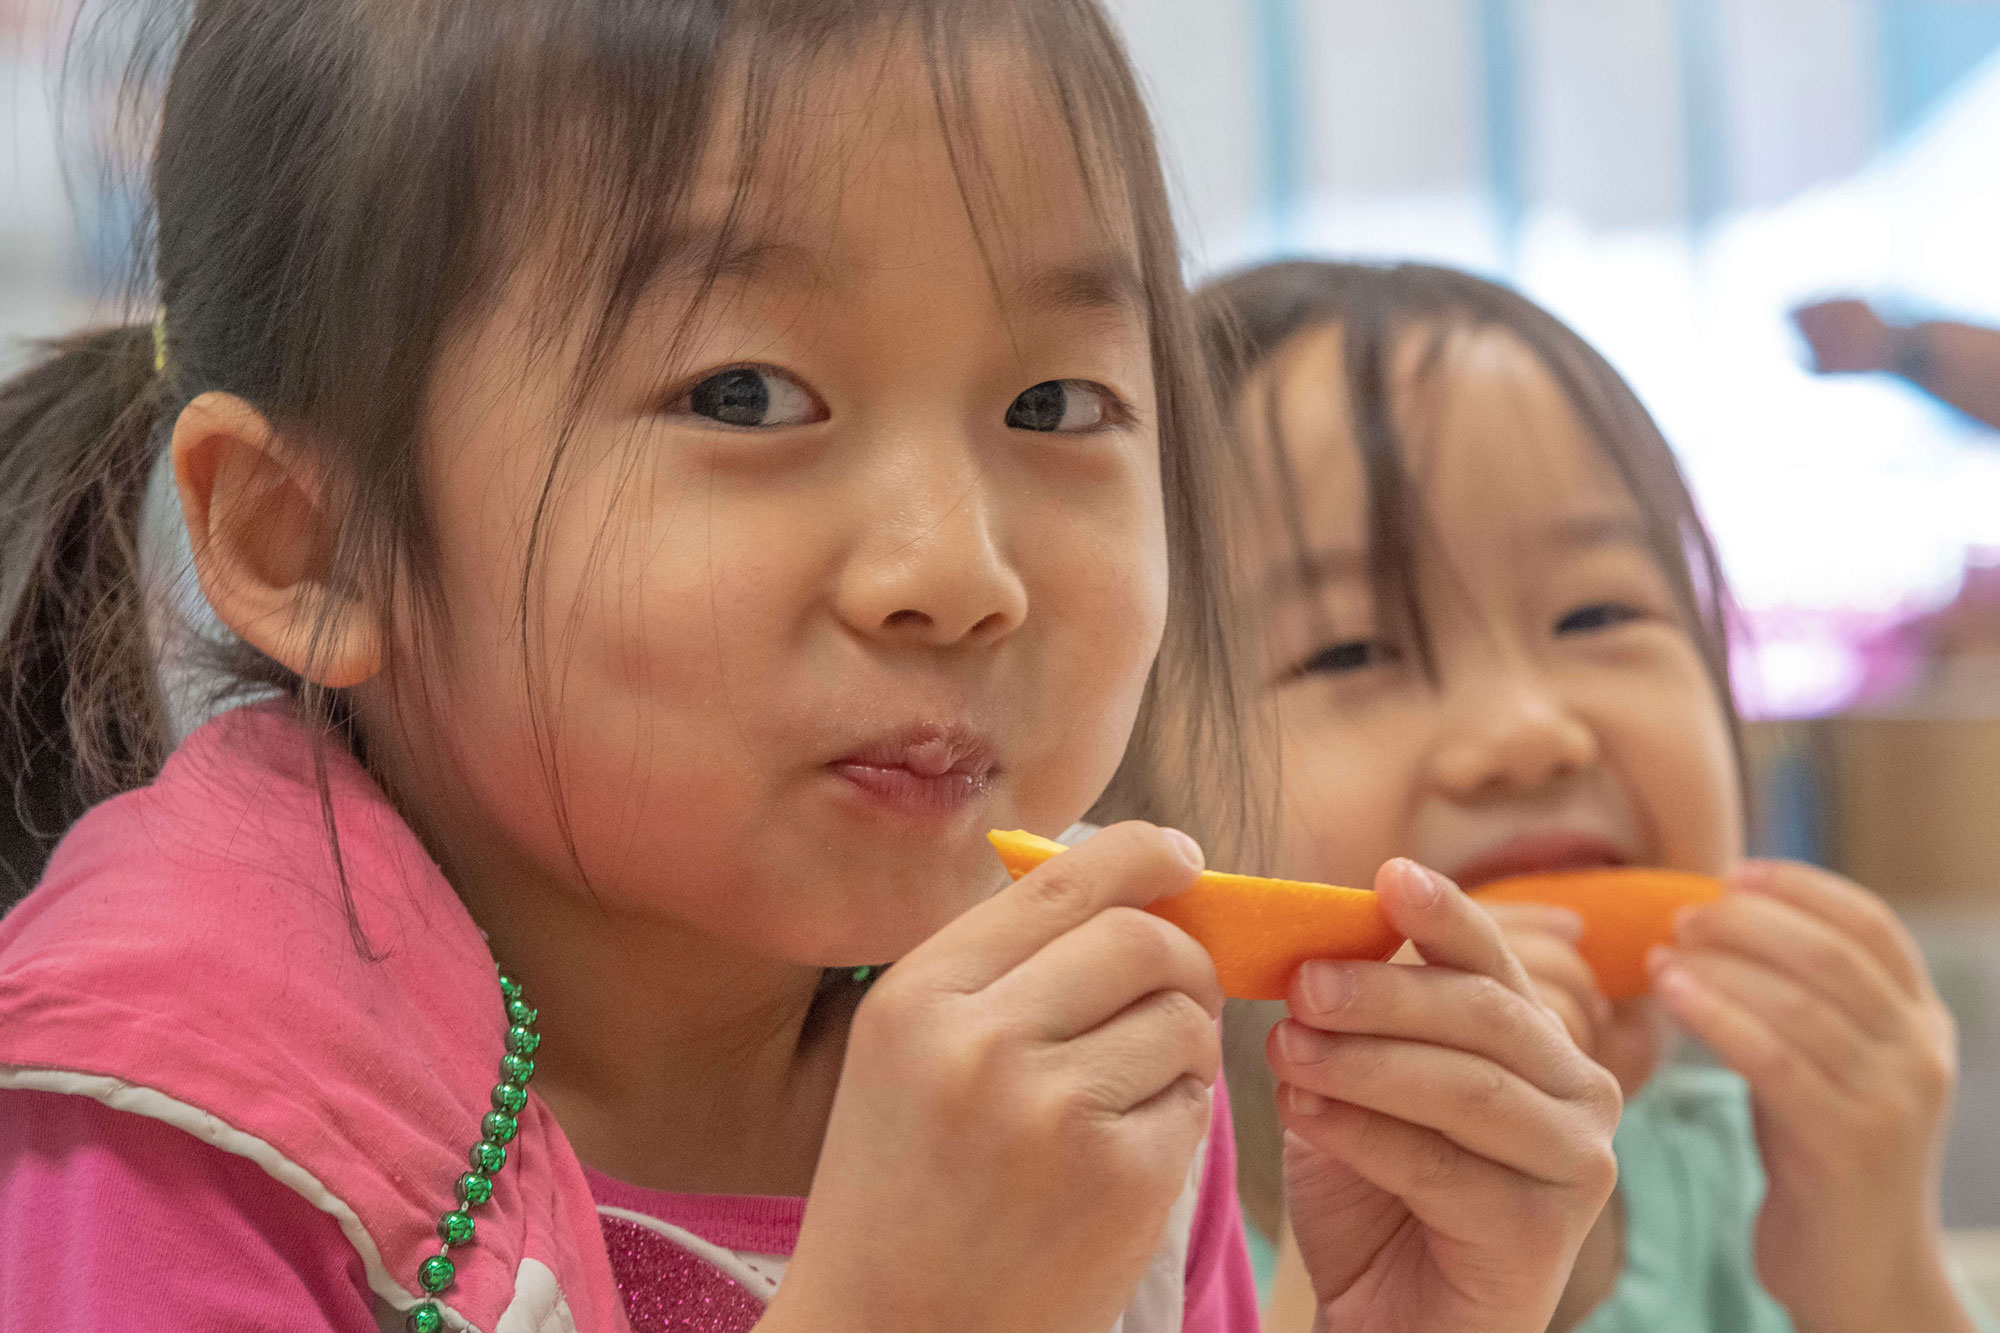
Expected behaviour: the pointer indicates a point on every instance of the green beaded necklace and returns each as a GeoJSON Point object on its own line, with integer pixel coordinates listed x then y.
{"type": "Point", "coordinates": [496, 1130]}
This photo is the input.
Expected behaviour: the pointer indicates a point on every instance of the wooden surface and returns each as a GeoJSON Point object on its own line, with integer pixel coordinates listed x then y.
{"type": "Point", "coordinates": [1909, 804]}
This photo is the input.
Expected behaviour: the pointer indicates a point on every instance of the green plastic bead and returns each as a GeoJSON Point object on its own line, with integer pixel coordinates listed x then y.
{"type": "Point", "coordinates": [498, 1127]}
{"type": "Point", "coordinates": [509, 987]}
{"type": "Point", "coordinates": [516, 1068]}
{"type": "Point", "coordinates": [424, 1318]}
{"type": "Point", "coordinates": [522, 1040]}
{"type": "Point", "coordinates": [474, 1188]}
{"type": "Point", "coordinates": [436, 1273]}
{"type": "Point", "coordinates": [509, 1097]}
{"type": "Point", "coordinates": [862, 975]}
{"type": "Point", "coordinates": [455, 1228]}
{"type": "Point", "coordinates": [520, 1011]}
{"type": "Point", "coordinates": [487, 1158]}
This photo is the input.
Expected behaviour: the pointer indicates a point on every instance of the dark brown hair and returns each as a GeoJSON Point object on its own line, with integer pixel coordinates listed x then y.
{"type": "Point", "coordinates": [338, 184]}
{"type": "Point", "coordinates": [1246, 317]}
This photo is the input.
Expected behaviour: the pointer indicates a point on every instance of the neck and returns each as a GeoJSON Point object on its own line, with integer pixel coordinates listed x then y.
{"type": "Point", "coordinates": [671, 1060]}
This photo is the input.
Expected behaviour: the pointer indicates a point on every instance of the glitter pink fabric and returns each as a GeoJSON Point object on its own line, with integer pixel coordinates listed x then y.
{"type": "Point", "coordinates": [668, 1290]}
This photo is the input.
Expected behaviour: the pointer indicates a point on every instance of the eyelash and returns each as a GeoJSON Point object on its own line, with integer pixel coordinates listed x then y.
{"type": "Point", "coordinates": [1345, 658]}
{"type": "Point", "coordinates": [1598, 616]}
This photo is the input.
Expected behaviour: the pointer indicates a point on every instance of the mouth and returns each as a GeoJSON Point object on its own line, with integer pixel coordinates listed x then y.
{"type": "Point", "coordinates": [1539, 853]}
{"type": "Point", "coordinates": [928, 769]}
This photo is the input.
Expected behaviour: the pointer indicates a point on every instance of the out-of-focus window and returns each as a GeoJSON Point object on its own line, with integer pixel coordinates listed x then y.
{"type": "Point", "coordinates": [1671, 176]}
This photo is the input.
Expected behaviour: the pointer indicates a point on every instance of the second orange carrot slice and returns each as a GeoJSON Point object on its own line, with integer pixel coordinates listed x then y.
{"type": "Point", "coordinates": [1625, 911]}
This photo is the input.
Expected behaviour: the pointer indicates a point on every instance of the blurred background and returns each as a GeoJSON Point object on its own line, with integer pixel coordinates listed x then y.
{"type": "Point", "coordinates": [1673, 177]}
{"type": "Point", "coordinates": [1670, 176]}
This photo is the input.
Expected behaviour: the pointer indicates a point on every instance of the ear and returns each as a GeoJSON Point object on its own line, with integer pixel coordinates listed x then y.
{"type": "Point", "coordinates": [263, 544]}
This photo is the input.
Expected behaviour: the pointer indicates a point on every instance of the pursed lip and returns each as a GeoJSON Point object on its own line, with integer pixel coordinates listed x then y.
{"type": "Point", "coordinates": [926, 768]}
{"type": "Point", "coordinates": [1534, 853]}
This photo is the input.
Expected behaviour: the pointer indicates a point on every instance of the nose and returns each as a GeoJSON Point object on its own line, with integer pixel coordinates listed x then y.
{"type": "Point", "coordinates": [931, 571]}
{"type": "Point", "coordinates": [1515, 735]}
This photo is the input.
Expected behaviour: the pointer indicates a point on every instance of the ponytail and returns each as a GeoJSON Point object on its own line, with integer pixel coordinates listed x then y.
{"type": "Point", "coordinates": [81, 710]}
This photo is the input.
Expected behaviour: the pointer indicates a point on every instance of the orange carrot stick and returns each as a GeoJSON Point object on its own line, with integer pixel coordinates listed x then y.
{"type": "Point", "coordinates": [1625, 912]}
{"type": "Point", "coordinates": [1258, 931]}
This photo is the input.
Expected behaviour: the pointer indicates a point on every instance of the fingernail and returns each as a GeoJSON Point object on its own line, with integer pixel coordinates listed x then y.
{"type": "Point", "coordinates": [1657, 958]}
{"type": "Point", "coordinates": [1189, 849]}
{"type": "Point", "coordinates": [1298, 1043]}
{"type": "Point", "coordinates": [1301, 1102]}
{"type": "Point", "coordinates": [1562, 921]}
{"type": "Point", "coordinates": [1750, 876]}
{"type": "Point", "coordinates": [1420, 886]}
{"type": "Point", "coordinates": [1673, 984]}
{"type": "Point", "coordinates": [1326, 986]}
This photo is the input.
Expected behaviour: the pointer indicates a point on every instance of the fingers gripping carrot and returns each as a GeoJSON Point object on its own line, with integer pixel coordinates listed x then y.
{"type": "Point", "coordinates": [1258, 931]}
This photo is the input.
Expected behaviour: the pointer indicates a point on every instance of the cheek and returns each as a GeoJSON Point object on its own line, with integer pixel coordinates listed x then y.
{"type": "Point", "coordinates": [1347, 792]}
{"type": "Point", "coordinates": [1097, 581]}
{"type": "Point", "coordinates": [617, 667]}
{"type": "Point", "coordinates": [1671, 747]}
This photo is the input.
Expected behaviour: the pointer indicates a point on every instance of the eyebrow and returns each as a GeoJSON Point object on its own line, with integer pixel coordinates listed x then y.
{"type": "Point", "coordinates": [746, 257]}
{"type": "Point", "coordinates": [1582, 532]}
{"type": "Point", "coordinates": [1107, 285]}
{"type": "Point", "coordinates": [1312, 570]}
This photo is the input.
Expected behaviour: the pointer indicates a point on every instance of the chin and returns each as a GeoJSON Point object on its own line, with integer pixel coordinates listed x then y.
{"type": "Point", "coordinates": [877, 905]}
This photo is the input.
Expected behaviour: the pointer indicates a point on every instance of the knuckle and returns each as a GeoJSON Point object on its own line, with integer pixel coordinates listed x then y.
{"type": "Point", "coordinates": [1485, 1089]}
{"type": "Point", "coordinates": [1934, 1075]}
{"type": "Point", "coordinates": [1597, 1093]}
{"type": "Point", "coordinates": [1434, 1163]}
{"type": "Point", "coordinates": [1192, 1026]}
{"type": "Point", "coordinates": [1597, 1171]}
{"type": "Point", "coordinates": [1055, 885]}
{"type": "Point", "coordinates": [1491, 1002]}
{"type": "Point", "coordinates": [1602, 1093]}
{"type": "Point", "coordinates": [971, 1067]}
{"type": "Point", "coordinates": [1140, 935]}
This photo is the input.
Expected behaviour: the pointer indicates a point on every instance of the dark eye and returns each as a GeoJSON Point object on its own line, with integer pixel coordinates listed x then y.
{"type": "Point", "coordinates": [1597, 616]}
{"type": "Point", "coordinates": [1064, 406]}
{"type": "Point", "coordinates": [1342, 658]}
{"type": "Point", "coordinates": [755, 396]}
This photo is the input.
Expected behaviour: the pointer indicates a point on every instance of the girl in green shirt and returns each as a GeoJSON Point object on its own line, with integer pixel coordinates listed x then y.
{"type": "Point", "coordinates": [1493, 641]}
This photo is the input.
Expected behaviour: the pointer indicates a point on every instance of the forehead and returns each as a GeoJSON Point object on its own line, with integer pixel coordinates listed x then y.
{"type": "Point", "coordinates": [873, 161]}
{"type": "Point", "coordinates": [1485, 433]}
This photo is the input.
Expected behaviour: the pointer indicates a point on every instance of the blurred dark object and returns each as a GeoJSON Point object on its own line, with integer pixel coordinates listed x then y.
{"type": "Point", "coordinates": [1847, 337]}
{"type": "Point", "coordinates": [1957, 363]}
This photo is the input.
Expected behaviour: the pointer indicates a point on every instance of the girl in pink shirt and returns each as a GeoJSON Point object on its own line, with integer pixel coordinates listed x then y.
{"type": "Point", "coordinates": [680, 473]}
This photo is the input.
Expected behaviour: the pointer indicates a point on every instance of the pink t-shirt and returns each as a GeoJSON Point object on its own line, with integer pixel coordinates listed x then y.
{"type": "Point", "coordinates": [113, 1220]}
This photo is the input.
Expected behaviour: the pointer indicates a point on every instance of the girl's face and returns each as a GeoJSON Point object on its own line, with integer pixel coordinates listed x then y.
{"type": "Point", "coordinates": [878, 564]}
{"type": "Point", "coordinates": [1570, 722]}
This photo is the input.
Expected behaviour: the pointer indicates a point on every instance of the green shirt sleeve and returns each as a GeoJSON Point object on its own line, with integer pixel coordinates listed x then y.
{"type": "Point", "coordinates": [1691, 1184]}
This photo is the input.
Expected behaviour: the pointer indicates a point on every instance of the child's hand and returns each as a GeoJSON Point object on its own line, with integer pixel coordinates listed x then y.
{"type": "Point", "coordinates": [1625, 1037]}
{"type": "Point", "coordinates": [1448, 1145]}
{"type": "Point", "coordinates": [1808, 986]}
{"type": "Point", "coordinates": [1021, 1104]}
